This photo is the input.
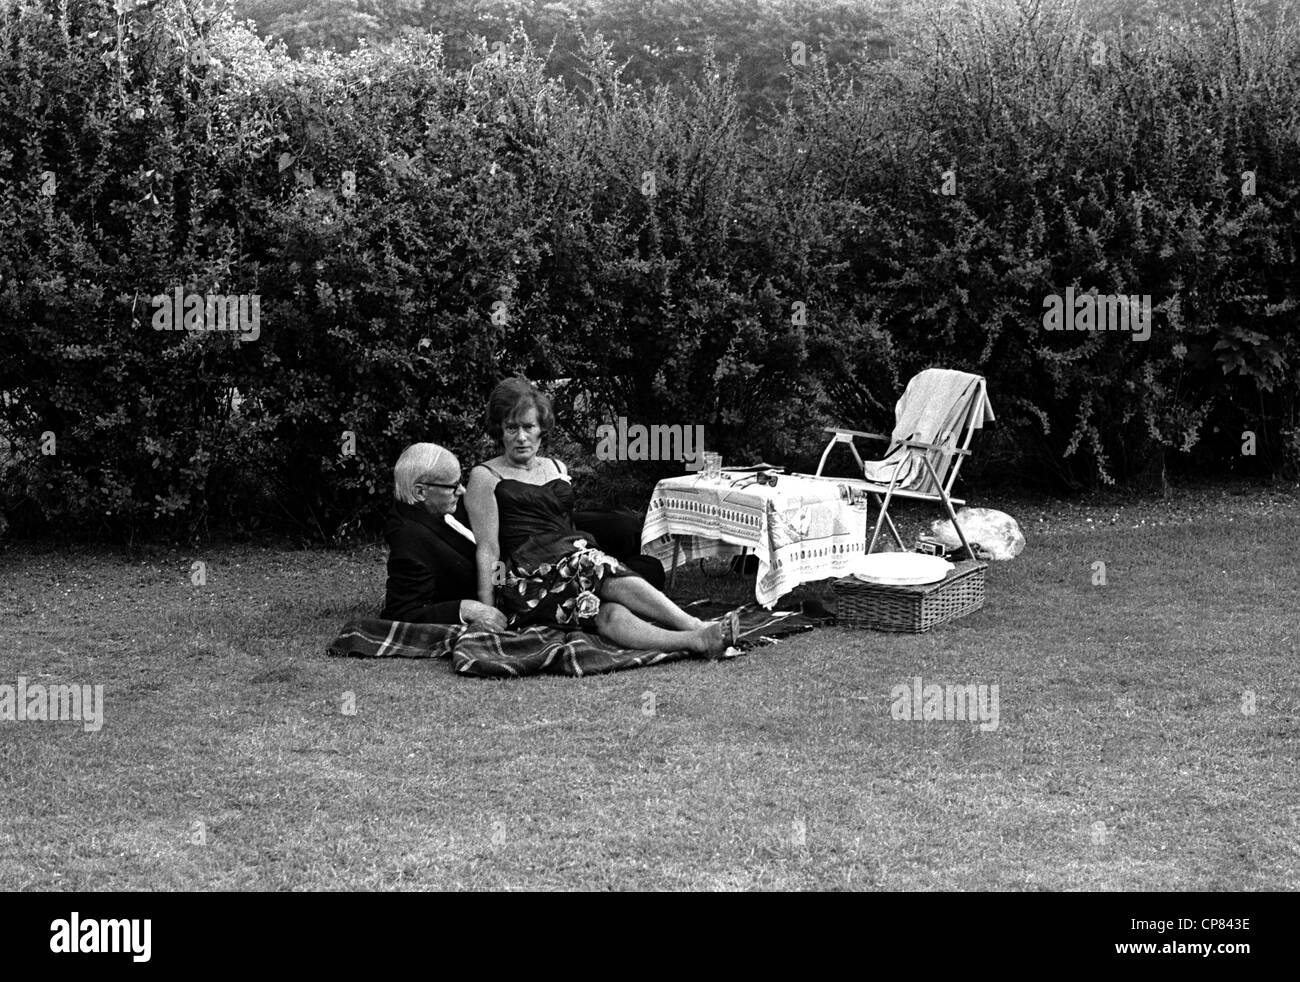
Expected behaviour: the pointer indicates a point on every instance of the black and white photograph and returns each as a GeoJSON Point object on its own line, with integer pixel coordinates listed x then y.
{"type": "Point", "coordinates": [651, 446]}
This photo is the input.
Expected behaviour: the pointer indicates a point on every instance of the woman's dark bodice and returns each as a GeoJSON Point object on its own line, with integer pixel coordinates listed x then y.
{"type": "Point", "coordinates": [528, 510]}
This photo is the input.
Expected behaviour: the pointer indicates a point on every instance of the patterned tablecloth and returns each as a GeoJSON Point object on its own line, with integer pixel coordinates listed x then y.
{"type": "Point", "coordinates": [803, 529]}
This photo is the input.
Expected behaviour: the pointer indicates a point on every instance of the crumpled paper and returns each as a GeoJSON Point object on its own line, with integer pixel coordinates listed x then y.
{"type": "Point", "coordinates": [995, 531]}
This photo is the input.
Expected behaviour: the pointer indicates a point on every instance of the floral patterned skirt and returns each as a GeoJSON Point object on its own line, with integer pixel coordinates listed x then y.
{"type": "Point", "coordinates": [554, 579]}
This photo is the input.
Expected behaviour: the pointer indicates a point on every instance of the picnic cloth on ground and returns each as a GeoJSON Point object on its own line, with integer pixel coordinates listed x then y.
{"type": "Point", "coordinates": [535, 650]}
{"type": "Point", "coordinates": [932, 409]}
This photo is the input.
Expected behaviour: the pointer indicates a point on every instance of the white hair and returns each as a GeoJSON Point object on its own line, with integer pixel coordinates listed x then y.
{"type": "Point", "coordinates": [416, 463]}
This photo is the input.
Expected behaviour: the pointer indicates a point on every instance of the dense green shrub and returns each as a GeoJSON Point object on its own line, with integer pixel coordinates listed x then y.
{"type": "Point", "coordinates": [1093, 160]}
{"type": "Point", "coordinates": [416, 231]}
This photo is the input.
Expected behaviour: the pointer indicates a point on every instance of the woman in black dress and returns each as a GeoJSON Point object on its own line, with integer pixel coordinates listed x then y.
{"type": "Point", "coordinates": [521, 507]}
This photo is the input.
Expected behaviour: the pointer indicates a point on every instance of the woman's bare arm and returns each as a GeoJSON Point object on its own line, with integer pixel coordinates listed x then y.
{"type": "Point", "coordinates": [481, 504]}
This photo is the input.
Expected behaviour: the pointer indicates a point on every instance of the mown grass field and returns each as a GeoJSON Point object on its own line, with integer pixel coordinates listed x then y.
{"type": "Point", "coordinates": [1147, 735]}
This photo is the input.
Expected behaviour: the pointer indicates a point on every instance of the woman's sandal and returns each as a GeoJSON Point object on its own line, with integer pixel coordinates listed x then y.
{"type": "Point", "coordinates": [731, 628]}
{"type": "Point", "coordinates": [730, 635]}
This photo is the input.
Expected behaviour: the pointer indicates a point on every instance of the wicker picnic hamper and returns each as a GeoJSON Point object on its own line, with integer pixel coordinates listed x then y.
{"type": "Point", "coordinates": [912, 609]}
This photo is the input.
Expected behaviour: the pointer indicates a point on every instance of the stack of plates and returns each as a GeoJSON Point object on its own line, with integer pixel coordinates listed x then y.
{"type": "Point", "coordinates": [900, 569]}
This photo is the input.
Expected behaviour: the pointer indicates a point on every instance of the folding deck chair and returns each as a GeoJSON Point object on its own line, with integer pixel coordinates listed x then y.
{"type": "Point", "coordinates": [934, 421]}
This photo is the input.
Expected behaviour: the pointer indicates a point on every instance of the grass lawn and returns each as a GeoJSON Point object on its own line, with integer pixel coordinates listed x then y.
{"type": "Point", "coordinates": [1127, 755]}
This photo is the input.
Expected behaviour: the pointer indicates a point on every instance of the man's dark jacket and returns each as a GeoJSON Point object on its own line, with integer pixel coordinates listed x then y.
{"type": "Point", "coordinates": [431, 566]}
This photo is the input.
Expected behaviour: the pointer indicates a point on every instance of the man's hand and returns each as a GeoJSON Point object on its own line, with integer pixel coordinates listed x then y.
{"type": "Point", "coordinates": [482, 616]}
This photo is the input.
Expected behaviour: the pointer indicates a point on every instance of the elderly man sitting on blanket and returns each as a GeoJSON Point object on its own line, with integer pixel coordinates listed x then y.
{"type": "Point", "coordinates": [432, 576]}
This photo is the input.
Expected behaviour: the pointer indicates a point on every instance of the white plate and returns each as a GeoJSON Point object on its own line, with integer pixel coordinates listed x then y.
{"type": "Point", "coordinates": [901, 568]}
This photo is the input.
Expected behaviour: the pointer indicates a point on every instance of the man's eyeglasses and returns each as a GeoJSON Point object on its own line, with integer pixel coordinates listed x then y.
{"type": "Point", "coordinates": [431, 484]}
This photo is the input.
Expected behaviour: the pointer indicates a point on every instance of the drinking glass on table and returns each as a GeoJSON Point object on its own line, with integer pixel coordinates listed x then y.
{"type": "Point", "coordinates": [712, 466]}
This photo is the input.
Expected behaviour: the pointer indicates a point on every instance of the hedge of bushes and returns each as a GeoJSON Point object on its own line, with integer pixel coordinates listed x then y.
{"type": "Point", "coordinates": [415, 233]}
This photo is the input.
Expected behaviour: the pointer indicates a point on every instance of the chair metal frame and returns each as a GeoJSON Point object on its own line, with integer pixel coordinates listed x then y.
{"type": "Point", "coordinates": [953, 456]}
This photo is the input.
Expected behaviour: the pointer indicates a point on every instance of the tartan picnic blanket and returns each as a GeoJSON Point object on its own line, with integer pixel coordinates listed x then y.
{"type": "Point", "coordinates": [537, 650]}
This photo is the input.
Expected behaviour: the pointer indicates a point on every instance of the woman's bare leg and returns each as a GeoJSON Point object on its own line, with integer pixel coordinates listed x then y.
{"type": "Point", "coordinates": [619, 625]}
{"type": "Point", "coordinates": [641, 598]}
